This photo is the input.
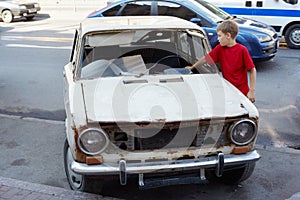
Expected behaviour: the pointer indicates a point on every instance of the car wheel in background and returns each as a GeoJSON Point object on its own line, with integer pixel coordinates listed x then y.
{"type": "Point", "coordinates": [292, 36]}
{"type": "Point", "coordinates": [7, 16]}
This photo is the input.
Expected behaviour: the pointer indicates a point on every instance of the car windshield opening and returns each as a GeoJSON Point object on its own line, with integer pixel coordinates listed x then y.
{"type": "Point", "coordinates": [142, 52]}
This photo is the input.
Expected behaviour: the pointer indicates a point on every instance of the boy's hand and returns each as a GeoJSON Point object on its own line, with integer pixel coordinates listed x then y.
{"type": "Point", "coordinates": [251, 95]}
{"type": "Point", "coordinates": [189, 67]}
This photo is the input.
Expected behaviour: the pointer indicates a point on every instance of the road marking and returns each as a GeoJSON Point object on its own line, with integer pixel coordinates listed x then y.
{"type": "Point", "coordinates": [37, 38]}
{"type": "Point", "coordinates": [32, 119]}
{"type": "Point", "coordinates": [40, 39]}
{"type": "Point", "coordinates": [38, 46]}
{"type": "Point", "coordinates": [276, 110]}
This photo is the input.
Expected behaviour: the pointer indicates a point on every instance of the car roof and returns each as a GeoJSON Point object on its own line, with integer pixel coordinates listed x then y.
{"type": "Point", "coordinates": [135, 22]}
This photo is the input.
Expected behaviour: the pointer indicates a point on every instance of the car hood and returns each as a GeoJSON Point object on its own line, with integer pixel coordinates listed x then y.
{"type": "Point", "coordinates": [163, 99]}
{"type": "Point", "coordinates": [250, 25]}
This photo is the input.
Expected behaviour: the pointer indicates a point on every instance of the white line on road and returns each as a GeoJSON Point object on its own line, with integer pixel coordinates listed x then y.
{"type": "Point", "coordinates": [37, 38]}
{"type": "Point", "coordinates": [37, 46]}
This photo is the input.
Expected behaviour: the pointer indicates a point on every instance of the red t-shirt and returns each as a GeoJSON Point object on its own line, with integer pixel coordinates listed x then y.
{"type": "Point", "coordinates": [235, 62]}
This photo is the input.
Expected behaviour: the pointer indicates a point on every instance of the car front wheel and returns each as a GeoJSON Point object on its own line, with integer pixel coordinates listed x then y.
{"type": "Point", "coordinates": [29, 18]}
{"type": "Point", "coordinates": [77, 181]}
{"type": "Point", "coordinates": [234, 176]}
{"type": "Point", "coordinates": [7, 16]}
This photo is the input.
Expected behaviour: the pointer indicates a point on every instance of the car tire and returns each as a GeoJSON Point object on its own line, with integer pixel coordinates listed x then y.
{"type": "Point", "coordinates": [7, 16]}
{"type": "Point", "coordinates": [233, 176]}
{"type": "Point", "coordinates": [29, 18]}
{"type": "Point", "coordinates": [292, 36]}
{"type": "Point", "coordinates": [76, 181]}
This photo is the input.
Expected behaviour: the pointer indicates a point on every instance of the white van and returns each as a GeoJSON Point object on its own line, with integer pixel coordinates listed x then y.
{"type": "Point", "coordinates": [283, 15]}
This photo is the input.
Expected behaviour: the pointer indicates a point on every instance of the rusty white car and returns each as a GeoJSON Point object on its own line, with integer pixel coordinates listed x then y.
{"type": "Point", "coordinates": [134, 110]}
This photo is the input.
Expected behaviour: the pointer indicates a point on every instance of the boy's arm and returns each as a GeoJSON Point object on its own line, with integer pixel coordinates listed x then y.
{"type": "Point", "coordinates": [200, 62]}
{"type": "Point", "coordinates": [251, 93]}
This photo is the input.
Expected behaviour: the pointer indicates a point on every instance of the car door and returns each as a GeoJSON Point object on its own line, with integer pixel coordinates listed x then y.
{"type": "Point", "coordinates": [69, 76]}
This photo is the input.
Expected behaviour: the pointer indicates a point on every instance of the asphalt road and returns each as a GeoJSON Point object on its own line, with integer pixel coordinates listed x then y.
{"type": "Point", "coordinates": [278, 83]}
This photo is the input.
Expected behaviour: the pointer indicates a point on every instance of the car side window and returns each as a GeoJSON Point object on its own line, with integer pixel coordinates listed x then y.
{"type": "Point", "coordinates": [112, 11]}
{"type": "Point", "coordinates": [172, 9]}
{"type": "Point", "coordinates": [137, 9]}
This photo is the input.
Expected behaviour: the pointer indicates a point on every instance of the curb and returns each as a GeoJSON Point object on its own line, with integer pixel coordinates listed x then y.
{"type": "Point", "coordinates": [283, 45]}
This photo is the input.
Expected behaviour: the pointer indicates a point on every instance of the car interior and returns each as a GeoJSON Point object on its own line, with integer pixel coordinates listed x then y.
{"type": "Point", "coordinates": [139, 52]}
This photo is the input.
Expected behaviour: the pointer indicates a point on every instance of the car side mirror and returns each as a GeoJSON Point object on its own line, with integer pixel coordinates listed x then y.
{"type": "Point", "coordinates": [196, 21]}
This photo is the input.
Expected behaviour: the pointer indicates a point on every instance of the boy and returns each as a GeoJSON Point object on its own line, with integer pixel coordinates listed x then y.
{"type": "Point", "coordinates": [234, 59]}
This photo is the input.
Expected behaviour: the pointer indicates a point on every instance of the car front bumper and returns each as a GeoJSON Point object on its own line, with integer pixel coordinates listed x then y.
{"type": "Point", "coordinates": [122, 168]}
{"type": "Point", "coordinates": [266, 51]}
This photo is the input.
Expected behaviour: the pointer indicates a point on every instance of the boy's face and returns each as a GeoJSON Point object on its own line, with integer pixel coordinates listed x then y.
{"type": "Point", "coordinates": [223, 38]}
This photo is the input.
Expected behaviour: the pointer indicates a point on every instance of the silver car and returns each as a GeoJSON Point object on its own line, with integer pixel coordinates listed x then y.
{"type": "Point", "coordinates": [134, 110]}
{"type": "Point", "coordinates": [11, 9]}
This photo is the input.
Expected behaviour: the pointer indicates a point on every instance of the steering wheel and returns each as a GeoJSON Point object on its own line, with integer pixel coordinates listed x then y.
{"type": "Point", "coordinates": [186, 63]}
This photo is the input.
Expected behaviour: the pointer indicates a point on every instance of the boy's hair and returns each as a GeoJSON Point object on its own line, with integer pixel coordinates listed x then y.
{"type": "Point", "coordinates": [229, 26]}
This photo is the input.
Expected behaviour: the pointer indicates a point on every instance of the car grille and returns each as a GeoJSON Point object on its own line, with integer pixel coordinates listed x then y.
{"type": "Point", "coordinates": [168, 136]}
{"type": "Point", "coordinates": [29, 6]}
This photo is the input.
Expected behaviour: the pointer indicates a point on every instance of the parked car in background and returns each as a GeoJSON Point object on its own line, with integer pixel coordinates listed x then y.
{"type": "Point", "coordinates": [283, 15]}
{"type": "Point", "coordinates": [134, 111]}
{"type": "Point", "coordinates": [9, 10]}
{"type": "Point", "coordinates": [260, 39]}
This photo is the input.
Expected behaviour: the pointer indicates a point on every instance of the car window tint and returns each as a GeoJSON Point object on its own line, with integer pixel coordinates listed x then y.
{"type": "Point", "coordinates": [137, 8]}
{"type": "Point", "coordinates": [112, 11]}
{"type": "Point", "coordinates": [172, 9]}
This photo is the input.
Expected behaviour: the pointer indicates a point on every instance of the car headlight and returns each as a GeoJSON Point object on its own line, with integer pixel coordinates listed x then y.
{"type": "Point", "coordinates": [243, 132]}
{"type": "Point", "coordinates": [92, 141]}
{"type": "Point", "coordinates": [263, 37]}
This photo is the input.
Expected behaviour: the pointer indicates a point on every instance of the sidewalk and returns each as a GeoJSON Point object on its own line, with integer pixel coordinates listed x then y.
{"type": "Point", "coordinates": [12, 189]}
